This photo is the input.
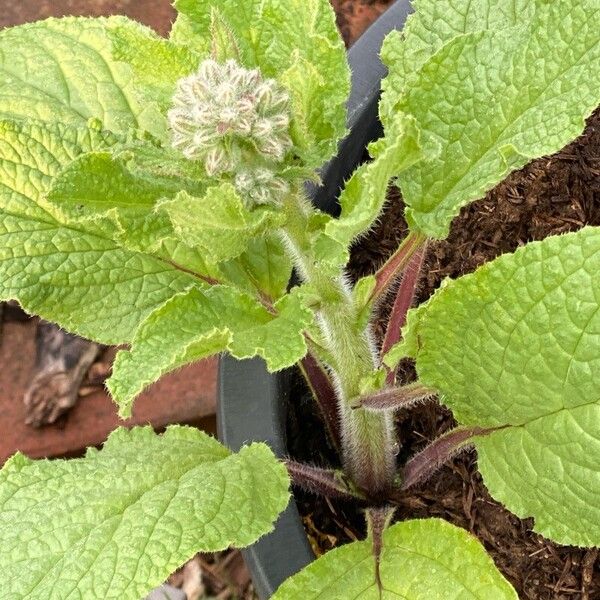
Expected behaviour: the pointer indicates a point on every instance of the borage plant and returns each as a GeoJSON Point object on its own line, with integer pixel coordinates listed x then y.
{"type": "Point", "coordinates": [153, 194]}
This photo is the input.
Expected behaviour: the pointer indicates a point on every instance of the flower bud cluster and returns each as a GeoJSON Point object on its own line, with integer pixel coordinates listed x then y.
{"type": "Point", "coordinates": [224, 112]}
{"type": "Point", "coordinates": [260, 185]}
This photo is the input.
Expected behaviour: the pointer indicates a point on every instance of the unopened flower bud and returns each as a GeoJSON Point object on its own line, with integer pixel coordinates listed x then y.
{"type": "Point", "coordinates": [216, 162]}
{"type": "Point", "coordinates": [263, 129]}
{"type": "Point", "coordinates": [225, 112]}
{"type": "Point", "coordinates": [260, 186]}
{"type": "Point", "coordinates": [275, 149]}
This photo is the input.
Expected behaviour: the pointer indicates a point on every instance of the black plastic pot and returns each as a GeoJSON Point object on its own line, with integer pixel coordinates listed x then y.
{"type": "Point", "coordinates": [252, 402]}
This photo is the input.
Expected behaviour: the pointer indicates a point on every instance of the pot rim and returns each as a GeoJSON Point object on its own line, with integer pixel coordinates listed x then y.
{"type": "Point", "coordinates": [251, 401]}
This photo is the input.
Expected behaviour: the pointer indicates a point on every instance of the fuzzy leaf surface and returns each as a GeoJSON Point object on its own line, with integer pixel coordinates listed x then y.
{"type": "Point", "coordinates": [118, 195]}
{"type": "Point", "coordinates": [433, 24]}
{"type": "Point", "coordinates": [264, 266]}
{"type": "Point", "coordinates": [218, 223]}
{"type": "Point", "coordinates": [420, 560]}
{"type": "Point", "coordinates": [295, 41]}
{"type": "Point", "coordinates": [156, 63]}
{"type": "Point", "coordinates": [64, 70]}
{"type": "Point", "coordinates": [66, 273]}
{"type": "Point", "coordinates": [116, 523]}
{"type": "Point", "coordinates": [101, 195]}
{"type": "Point", "coordinates": [516, 346]}
{"type": "Point", "coordinates": [124, 194]}
{"type": "Point", "coordinates": [494, 100]}
{"type": "Point", "coordinates": [364, 195]}
{"type": "Point", "coordinates": [197, 324]}
{"type": "Point", "coordinates": [132, 197]}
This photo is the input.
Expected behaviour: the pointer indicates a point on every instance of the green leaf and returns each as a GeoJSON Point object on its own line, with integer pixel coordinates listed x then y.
{"type": "Point", "coordinates": [118, 195]}
{"type": "Point", "coordinates": [295, 41]}
{"type": "Point", "coordinates": [224, 46]}
{"type": "Point", "coordinates": [102, 196]}
{"type": "Point", "coordinates": [421, 560]}
{"type": "Point", "coordinates": [494, 100]}
{"type": "Point", "coordinates": [116, 523]}
{"type": "Point", "coordinates": [409, 344]}
{"type": "Point", "coordinates": [263, 267]}
{"type": "Point", "coordinates": [434, 23]}
{"type": "Point", "coordinates": [365, 193]}
{"type": "Point", "coordinates": [515, 347]}
{"type": "Point", "coordinates": [157, 64]}
{"type": "Point", "coordinates": [218, 223]}
{"type": "Point", "coordinates": [197, 324]}
{"type": "Point", "coordinates": [64, 70]}
{"type": "Point", "coordinates": [85, 281]}
{"type": "Point", "coordinates": [150, 159]}
{"type": "Point", "coordinates": [194, 19]}
{"type": "Point", "coordinates": [362, 294]}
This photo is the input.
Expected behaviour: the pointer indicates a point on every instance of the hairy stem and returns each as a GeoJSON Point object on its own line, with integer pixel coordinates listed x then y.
{"type": "Point", "coordinates": [367, 437]}
{"type": "Point", "coordinates": [323, 392]}
{"type": "Point", "coordinates": [396, 264]}
{"type": "Point", "coordinates": [424, 464]}
{"type": "Point", "coordinates": [323, 482]}
{"type": "Point", "coordinates": [395, 398]}
{"type": "Point", "coordinates": [404, 299]}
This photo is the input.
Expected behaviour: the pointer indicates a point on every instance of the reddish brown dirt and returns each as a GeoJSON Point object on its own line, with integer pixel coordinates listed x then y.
{"type": "Point", "coordinates": [188, 396]}
{"type": "Point", "coordinates": [157, 14]}
{"type": "Point", "coordinates": [354, 16]}
{"type": "Point", "coordinates": [550, 196]}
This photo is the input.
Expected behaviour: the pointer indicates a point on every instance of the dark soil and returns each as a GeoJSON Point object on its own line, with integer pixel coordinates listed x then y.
{"type": "Point", "coordinates": [550, 196]}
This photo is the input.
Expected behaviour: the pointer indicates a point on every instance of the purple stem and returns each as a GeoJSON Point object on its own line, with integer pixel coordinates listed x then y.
{"type": "Point", "coordinates": [424, 464]}
{"type": "Point", "coordinates": [324, 393]}
{"type": "Point", "coordinates": [404, 299]}
{"type": "Point", "coordinates": [205, 278]}
{"type": "Point", "coordinates": [395, 398]}
{"type": "Point", "coordinates": [323, 482]}
{"type": "Point", "coordinates": [396, 264]}
{"type": "Point", "coordinates": [378, 520]}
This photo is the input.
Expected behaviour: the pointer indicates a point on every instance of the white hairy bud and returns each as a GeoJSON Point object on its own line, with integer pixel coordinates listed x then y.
{"type": "Point", "coordinates": [260, 186]}
{"type": "Point", "coordinates": [224, 112]}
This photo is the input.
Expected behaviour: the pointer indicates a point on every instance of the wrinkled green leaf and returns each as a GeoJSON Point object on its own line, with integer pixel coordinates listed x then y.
{"type": "Point", "coordinates": [64, 70]}
{"type": "Point", "coordinates": [193, 25]}
{"type": "Point", "coordinates": [116, 523]}
{"type": "Point", "coordinates": [148, 158]}
{"type": "Point", "coordinates": [408, 345]}
{"type": "Point", "coordinates": [516, 346]}
{"type": "Point", "coordinates": [83, 280]}
{"type": "Point", "coordinates": [264, 266]}
{"type": "Point", "coordinates": [118, 195]}
{"type": "Point", "coordinates": [434, 23]}
{"type": "Point", "coordinates": [218, 223]}
{"type": "Point", "coordinates": [156, 64]}
{"type": "Point", "coordinates": [197, 324]}
{"type": "Point", "coordinates": [101, 195]}
{"type": "Point", "coordinates": [421, 560]}
{"type": "Point", "coordinates": [494, 100]}
{"type": "Point", "coordinates": [364, 195]}
{"type": "Point", "coordinates": [223, 45]}
{"type": "Point", "coordinates": [295, 41]}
